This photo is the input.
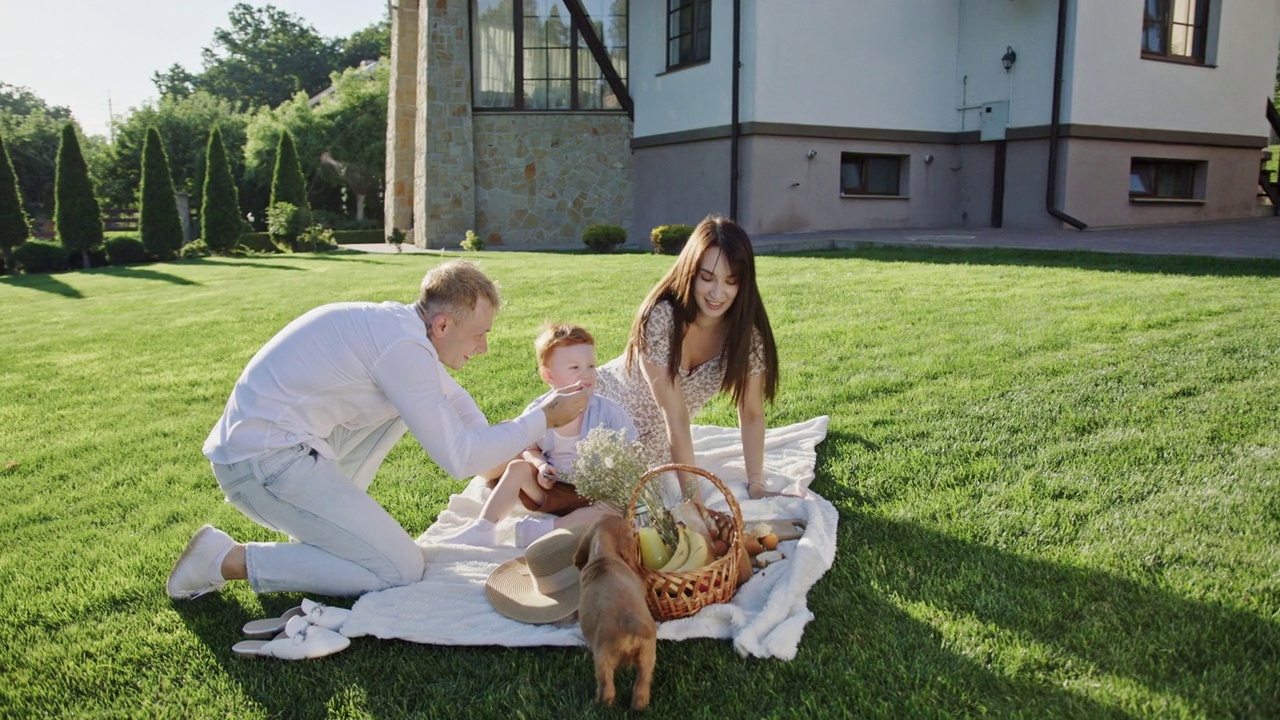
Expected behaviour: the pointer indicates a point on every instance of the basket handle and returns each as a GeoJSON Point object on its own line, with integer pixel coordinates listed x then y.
{"type": "Point", "coordinates": [680, 467]}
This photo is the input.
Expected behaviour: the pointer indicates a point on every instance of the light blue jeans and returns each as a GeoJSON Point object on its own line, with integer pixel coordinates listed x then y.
{"type": "Point", "coordinates": [346, 543]}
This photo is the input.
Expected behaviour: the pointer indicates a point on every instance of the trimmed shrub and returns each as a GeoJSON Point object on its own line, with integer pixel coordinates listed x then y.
{"type": "Point", "coordinates": [158, 220]}
{"type": "Point", "coordinates": [220, 220]}
{"type": "Point", "coordinates": [125, 250]}
{"type": "Point", "coordinates": [472, 242]}
{"type": "Point", "coordinates": [670, 239]}
{"type": "Point", "coordinates": [194, 249]}
{"type": "Point", "coordinates": [397, 238]}
{"type": "Point", "coordinates": [287, 183]}
{"type": "Point", "coordinates": [316, 238]}
{"type": "Point", "coordinates": [285, 222]}
{"type": "Point", "coordinates": [359, 237]}
{"type": "Point", "coordinates": [75, 209]}
{"type": "Point", "coordinates": [259, 242]}
{"type": "Point", "coordinates": [14, 226]}
{"type": "Point", "coordinates": [39, 256]}
{"type": "Point", "coordinates": [603, 238]}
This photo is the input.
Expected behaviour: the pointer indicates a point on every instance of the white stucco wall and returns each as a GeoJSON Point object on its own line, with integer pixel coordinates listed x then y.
{"type": "Point", "coordinates": [686, 99]}
{"type": "Point", "coordinates": [851, 64]}
{"type": "Point", "coordinates": [986, 30]}
{"type": "Point", "coordinates": [903, 65]}
{"type": "Point", "coordinates": [1114, 86]}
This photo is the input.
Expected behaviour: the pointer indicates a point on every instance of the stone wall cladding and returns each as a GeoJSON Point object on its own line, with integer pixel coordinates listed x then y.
{"type": "Point", "coordinates": [444, 177]}
{"type": "Point", "coordinates": [543, 178]}
{"type": "Point", "coordinates": [402, 117]}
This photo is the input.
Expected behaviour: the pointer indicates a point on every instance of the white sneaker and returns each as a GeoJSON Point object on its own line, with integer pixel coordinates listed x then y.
{"type": "Point", "coordinates": [198, 570]}
{"type": "Point", "coordinates": [531, 528]}
{"type": "Point", "coordinates": [476, 532]}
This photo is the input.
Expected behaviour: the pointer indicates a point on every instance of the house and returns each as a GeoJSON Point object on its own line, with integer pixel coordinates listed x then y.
{"type": "Point", "coordinates": [824, 114]}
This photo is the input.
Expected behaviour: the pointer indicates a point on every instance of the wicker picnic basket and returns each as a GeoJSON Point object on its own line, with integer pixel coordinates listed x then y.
{"type": "Point", "coordinates": [672, 595]}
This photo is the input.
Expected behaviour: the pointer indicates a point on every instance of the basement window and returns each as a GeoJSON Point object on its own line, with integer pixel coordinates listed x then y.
{"type": "Point", "coordinates": [862, 174]}
{"type": "Point", "coordinates": [1153, 179]}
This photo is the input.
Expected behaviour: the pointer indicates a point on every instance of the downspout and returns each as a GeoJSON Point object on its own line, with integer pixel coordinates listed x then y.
{"type": "Point", "coordinates": [734, 130]}
{"type": "Point", "coordinates": [1055, 123]}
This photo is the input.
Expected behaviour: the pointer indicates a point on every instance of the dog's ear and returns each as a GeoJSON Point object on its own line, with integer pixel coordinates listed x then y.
{"type": "Point", "coordinates": [583, 553]}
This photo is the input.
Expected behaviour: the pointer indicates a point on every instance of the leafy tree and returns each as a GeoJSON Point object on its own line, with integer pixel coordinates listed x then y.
{"type": "Point", "coordinates": [183, 124]}
{"type": "Point", "coordinates": [13, 219]}
{"type": "Point", "coordinates": [76, 212]}
{"type": "Point", "coordinates": [370, 43]}
{"type": "Point", "coordinates": [220, 223]}
{"type": "Point", "coordinates": [32, 129]}
{"type": "Point", "coordinates": [287, 183]}
{"type": "Point", "coordinates": [341, 142]}
{"type": "Point", "coordinates": [306, 129]}
{"type": "Point", "coordinates": [264, 57]}
{"type": "Point", "coordinates": [177, 82]}
{"type": "Point", "coordinates": [356, 117]}
{"type": "Point", "coordinates": [158, 220]}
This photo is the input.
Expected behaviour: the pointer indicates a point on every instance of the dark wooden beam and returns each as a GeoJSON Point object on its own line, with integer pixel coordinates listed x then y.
{"type": "Point", "coordinates": [583, 23]}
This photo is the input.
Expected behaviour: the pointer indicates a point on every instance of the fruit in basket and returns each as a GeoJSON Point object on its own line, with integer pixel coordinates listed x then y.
{"type": "Point", "coordinates": [770, 541]}
{"type": "Point", "coordinates": [680, 555]}
{"type": "Point", "coordinates": [653, 552]}
{"type": "Point", "coordinates": [688, 514]}
{"type": "Point", "coordinates": [699, 552]}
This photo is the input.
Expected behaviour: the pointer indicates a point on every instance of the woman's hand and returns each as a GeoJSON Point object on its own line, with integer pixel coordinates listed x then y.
{"type": "Point", "coordinates": [564, 405]}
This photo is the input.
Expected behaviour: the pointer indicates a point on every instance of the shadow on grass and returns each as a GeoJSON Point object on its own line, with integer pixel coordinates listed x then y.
{"type": "Point", "coordinates": [242, 262]}
{"type": "Point", "coordinates": [1083, 260]}
{"type": "Point", "coordinates": [42, 282]}
{"type": "Point", "coordinates": [1077, 623]}
{"type": "Point", "coordinates": [142, 273]}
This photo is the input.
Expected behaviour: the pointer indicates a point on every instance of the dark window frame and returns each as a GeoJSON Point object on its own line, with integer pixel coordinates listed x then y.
{"type": "Point", "coordinates": [866, 159]}
{"type": "Point", "coordinates": [1162, 168]}
{"type": "Point", "coordinates": [1158, 22]}
{"type": "Point", "coordinates": [692, 46]}
{"type": "Point", "coordinates": [519, 72]}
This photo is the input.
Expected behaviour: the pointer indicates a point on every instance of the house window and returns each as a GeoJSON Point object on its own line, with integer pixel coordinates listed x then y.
{"type": "Point", "coordinates": [870, 174]}
{"type": "Point", "coordinates": [1175, 30]}
{"type": "Point", "coordinates": [528, 55]}
{"type": "Point", "coordinates": [1162, 179]}
{"type": "Point", "coordinates": [688, 32]}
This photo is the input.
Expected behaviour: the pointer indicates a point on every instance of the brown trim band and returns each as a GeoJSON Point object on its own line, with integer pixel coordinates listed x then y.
{"type": "Point", "coordinates": [1035, 132]}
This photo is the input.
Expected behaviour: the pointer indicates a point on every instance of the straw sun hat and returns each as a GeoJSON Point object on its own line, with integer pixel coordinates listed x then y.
{"type": "Point", "coordinates": [541, 587]}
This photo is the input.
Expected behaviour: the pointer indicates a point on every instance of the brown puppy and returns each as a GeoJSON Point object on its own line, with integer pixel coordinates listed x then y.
{"type": "Point", "coordinates": [612, 611]}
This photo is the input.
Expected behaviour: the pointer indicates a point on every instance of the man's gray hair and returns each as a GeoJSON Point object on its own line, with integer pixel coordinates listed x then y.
{"type": "Point", "coordinates": [453, 288]}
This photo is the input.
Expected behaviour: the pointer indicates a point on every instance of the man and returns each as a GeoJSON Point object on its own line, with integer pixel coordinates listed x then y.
{"type": "Point", "coordinates": [314, 414]}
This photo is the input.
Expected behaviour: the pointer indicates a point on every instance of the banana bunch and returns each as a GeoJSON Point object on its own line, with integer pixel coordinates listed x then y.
{"type": "Point", "coordinates": [695, 543]}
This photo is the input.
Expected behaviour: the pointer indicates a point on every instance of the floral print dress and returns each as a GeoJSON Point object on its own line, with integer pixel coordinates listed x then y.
{"type": "Point", "coordinates": [629, 388]}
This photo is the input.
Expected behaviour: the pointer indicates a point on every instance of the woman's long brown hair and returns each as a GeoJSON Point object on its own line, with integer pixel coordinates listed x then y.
{"type": "Point", "coordinates": [746, 312]}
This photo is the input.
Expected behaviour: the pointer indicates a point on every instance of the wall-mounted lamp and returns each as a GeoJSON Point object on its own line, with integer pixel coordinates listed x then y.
{"type": "Point", "coordinates": [1009, 58]}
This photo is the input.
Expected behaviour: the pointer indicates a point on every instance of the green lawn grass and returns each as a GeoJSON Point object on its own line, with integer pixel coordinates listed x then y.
{"type": "Point", "coordinates": [1057, 477]}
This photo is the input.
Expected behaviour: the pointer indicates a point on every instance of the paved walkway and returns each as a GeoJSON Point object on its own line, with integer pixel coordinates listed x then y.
{"type": "Point", "coordinates": [1256, 238]}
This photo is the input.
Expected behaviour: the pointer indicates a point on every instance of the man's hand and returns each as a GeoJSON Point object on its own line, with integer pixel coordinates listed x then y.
{"type": "Point", "coordinates": [564, 405]}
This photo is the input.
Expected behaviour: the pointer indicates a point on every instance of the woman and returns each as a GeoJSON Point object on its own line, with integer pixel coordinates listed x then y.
{"type": "Point", "coordinates": [701, 331]}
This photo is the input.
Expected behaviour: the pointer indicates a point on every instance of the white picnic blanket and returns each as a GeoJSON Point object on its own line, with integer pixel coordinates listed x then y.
{"type": "Point", "coordinates": [766, 617]}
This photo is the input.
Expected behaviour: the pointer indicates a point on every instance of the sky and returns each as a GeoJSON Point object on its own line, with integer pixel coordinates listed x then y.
{"type": "Point", "coordinates": [97, 56]}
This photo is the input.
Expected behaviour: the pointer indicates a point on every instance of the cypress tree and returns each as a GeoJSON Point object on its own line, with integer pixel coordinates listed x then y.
{"type": "Point", "coordinates": [14, 228]}
{"type": "Point", "coordinates": [287, 183]}
{"type": "Point", "coordinates": [220, 205]}
{"type": "Point", "coordinates": [75, 210]}
{"type": "Point", "coordinates": [158, 220]}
